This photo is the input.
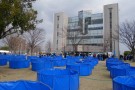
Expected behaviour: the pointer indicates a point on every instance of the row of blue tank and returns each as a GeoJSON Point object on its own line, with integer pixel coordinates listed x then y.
{"type": "Point", "coordinates": [65, 78]}
{"type": "Point", "coordinates": [123, 74]}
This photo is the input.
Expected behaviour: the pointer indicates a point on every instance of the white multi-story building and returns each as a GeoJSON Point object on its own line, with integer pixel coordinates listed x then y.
{"type": "Point", "coordinates": [111, 23]}
{"type": "Point", "coordinates": [60, 31]}
{"type": "Point", "coordinates": [89, 32]}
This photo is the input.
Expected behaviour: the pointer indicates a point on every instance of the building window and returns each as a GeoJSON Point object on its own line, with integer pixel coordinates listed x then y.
{"type": "Point", "coordinates": [57, 33]}
{"type": "Point", "coordinates": [97, 21]}
{"type": "Point", "coordinates": [58, 17]}
{"type": "Point", "coordinates": [110, 25]}
{"type": "Point", "coordinates": [110, 13]}
{"type": "Point", "coordinates": [57, 25]}
{"type": "Point", "coordinates": [57, 41]}
{"type": "Point", "coordinates": [110, 10]}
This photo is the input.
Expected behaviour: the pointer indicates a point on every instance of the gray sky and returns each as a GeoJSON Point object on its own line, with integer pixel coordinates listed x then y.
{"type": "Point", "coordinates": [47, 8]}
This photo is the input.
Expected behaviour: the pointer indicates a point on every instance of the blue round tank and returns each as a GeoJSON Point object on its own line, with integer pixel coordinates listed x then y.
{"type": "Point", "coordinates": [59, 79]}
{"type": "Point", "coordinates": [23, 85]}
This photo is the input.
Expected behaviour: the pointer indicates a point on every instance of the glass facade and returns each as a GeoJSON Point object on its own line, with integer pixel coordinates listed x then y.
{"type": "Point", "coordinates": [84, 20]}
{"type": "Point", "coordinates": [92, 24]}
{"type": "Point", "coordinates": [73, 23]}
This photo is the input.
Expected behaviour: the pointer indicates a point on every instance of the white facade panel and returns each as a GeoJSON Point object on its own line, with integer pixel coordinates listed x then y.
{"type": "Point", "coordinates": [60, 32]}
{"type": "Point", "coordinates": [111, 23]}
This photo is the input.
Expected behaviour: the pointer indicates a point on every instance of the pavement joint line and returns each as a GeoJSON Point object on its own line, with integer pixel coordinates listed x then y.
{"type": "Point", "coordinates": [95, 79]}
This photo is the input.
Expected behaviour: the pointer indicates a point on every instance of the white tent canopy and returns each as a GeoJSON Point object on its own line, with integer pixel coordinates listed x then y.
{"type": "Point", "coordinates": [4, 51]}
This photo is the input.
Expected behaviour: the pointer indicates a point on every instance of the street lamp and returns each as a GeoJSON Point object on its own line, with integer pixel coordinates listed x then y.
{"type": "Point", "coordinates": [114, 49]}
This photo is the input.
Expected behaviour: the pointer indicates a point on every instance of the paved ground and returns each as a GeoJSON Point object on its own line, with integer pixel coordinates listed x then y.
{"type": "Point", "coordinates": [99, 80]}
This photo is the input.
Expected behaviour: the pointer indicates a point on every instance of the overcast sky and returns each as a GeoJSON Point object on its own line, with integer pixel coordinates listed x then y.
{"type": "Point", "coordinates": [47, 8]}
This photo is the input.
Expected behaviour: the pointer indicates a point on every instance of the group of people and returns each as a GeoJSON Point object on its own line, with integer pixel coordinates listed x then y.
{"type": "Point", "coordinates": [101, 57]}
{"type": "Point", "coordinates": [126, 57]}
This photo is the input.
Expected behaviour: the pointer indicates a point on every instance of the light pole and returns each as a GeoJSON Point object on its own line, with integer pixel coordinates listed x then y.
{"type": "Point", "coordinates": [114, 49]}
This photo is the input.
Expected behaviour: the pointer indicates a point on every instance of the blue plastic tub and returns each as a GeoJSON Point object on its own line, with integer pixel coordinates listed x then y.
{"type": "Point", "coordinates": [119, 70]}
{"type": "Point", "coordinates": [18, 64]}
{"type": "Point", "coordinates": [130, 71]}
{"type": "Point", "coordinates": [124, 83]}
{"type": "Point", "coordinates": [113, 64]}
{"type": "Point", "coordinates": [122, 71]}
{"type": "Point", "coordinates": [3, 62]}
{"type": "Point", "coordinates": [111, 60]}
{"type": "Point", "coordinates": [39, 65]}
{"type": "Point", "coordinates": [59, 63]}
{"type": "Point", "coordinates": [81, 68]}
{"type": "Point", "coordinates": [122, 64]}
{"type": "Point", "coordinates": [23, 85]}
{"type": "Point", "coordinates": [32, 57]}
{"type": "Point", "coordinates": [91, 63]}
{"type": "Point", "coordinates": [59, 79]}
{"type": "Point", "coordinates": [7, 57]}
{"type": "Point", "coordinates": [92, 59]}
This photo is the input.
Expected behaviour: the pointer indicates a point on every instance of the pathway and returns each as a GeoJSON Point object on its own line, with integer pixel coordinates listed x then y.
{"type": "Point", "coordinates": [99, 80]}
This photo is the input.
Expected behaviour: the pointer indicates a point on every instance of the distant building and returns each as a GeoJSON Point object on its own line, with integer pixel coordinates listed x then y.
{"type": "Point", "coordinates": [111, 22]}
{"type": "Point", "coordinates": [60, 31]}
{"type": "Point", "coordinates": [87, 32]}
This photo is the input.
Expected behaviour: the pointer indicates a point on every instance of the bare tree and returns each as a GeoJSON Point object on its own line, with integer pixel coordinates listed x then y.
{"type": "Point", "coordinates": [106, 44]}
{"type": "Point", "coordinates": [15, 43]}
{"type": "Point", "coordinates": [48, 46]}
{"type": "Point", "coordinates": [75, 38]}
{"type": "Point", "coordinates": [75, 34]}
{"type": "Point", "coordinates": [127, 36]}
{"type": "Point", "coordinates": [34, 38]}
{"type": "Point", "coordinates": [37, 50]}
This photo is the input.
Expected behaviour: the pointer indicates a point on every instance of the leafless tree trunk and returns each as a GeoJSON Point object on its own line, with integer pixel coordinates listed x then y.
{"type": "Point", "coordinates": [75, 39]}
{"type": "Point", "coordinates": [75, 34]}
{"type": "Point", "coordinates": [48, 46]}
{"type": "Point", "coordinates": [34, 38]}
{"type": "Point", "coordinates": [15, 43]}
{"type": "Point", "coordinates": [106, 45]}
{"type": "Point", "coordinates": [37, 50]}
{"type": "Point", "coordinates": [127, 36]}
